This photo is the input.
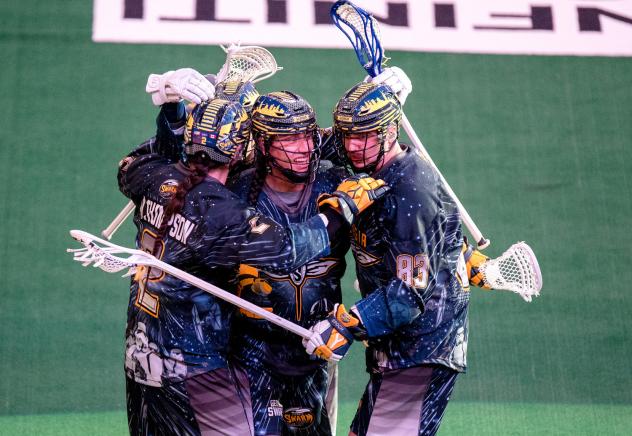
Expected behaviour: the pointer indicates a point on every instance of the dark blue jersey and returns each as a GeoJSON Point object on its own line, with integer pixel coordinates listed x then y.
{"type": "Point", "coordinates": [414, 235]}
{"type": "Point", "coordinates": [304, 296]}
{"type": "Point", "coordinates": [175, 330]}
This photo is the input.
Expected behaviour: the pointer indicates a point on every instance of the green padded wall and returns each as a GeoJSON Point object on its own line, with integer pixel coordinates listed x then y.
{"type": "Point", "coordinates": [538, 149]}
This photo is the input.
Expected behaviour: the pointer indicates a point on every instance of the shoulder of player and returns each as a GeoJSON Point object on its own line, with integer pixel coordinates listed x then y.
{"type": "Point", "coordinates": [241, 185]}
{"type": "Point", "coordinates": [330, 174]}
{"type": "Point", "coordinates": [412, 182]}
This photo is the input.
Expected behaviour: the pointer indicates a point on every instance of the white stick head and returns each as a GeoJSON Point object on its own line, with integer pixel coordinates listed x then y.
{"type": "Point", "coordinates": [99, 256]}
{"type": "Point", "coordinates": [248, 63]}
{"type": "Point", "coordinates": [516, 270]}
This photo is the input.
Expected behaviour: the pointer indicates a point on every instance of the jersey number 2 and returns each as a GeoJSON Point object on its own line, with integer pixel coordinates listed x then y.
{"type": "Point", "coordinates": [145, 300]}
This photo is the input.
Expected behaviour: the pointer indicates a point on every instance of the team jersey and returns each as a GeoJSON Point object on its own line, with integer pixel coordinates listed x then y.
{"type": "Point", "coordinates": [304, 296]}
{"type": "Point", "coordinates": [174, 330]}
{"type": "Point", "coordinates": [414, 235]}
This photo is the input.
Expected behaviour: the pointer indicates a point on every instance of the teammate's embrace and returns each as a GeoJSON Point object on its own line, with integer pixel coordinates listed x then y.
{"type": "Point", "coordinates": [413, 276]}
{"type": "Point", "coordinates": [288, 387]}
{"type": "Point", "coordinates": [177, 335]}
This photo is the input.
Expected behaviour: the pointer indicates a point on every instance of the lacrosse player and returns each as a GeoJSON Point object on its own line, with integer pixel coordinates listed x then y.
{"type": "Point", "coordinates": [288, 388]}
{"type": "Point", "coordinates": [409, 253]}
{"type": "Point", "coordinates": [188, 218]}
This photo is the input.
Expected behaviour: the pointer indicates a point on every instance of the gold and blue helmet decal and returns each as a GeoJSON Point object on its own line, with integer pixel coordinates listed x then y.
{"type": "Point", "coordinates": [367, 107]}
{"type": "Point", "coordinates": [246, 94]}
{"type": "Point", "coordinates": [214, 128]}
{"type": "Point", "coordinates": [282, 113]}
{"type": "Point", "coordinates": [243, 92]}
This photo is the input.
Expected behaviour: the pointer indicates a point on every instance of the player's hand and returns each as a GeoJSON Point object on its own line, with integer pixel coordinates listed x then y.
{"type": "Point", "coordinates": [332, 337]}
{"type": "Point", "coordinates": [473, 261]}
{"type": "Point", "coordinates": [354, 195]}
{"type": "Point", "coordinates": [248, 279]}
{"type": "Point", "coordinates": [173, 86]}
{"type": "Point", "coordinates": [396, 79]}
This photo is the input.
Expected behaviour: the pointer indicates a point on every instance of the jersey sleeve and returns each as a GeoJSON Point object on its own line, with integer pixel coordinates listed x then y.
{"type": "Point", "coordinates": [261, 242]}
{"type": "Point", "coordinates": [134, 169]}
{"type": "Point", "coordinates": [164, 147]}
{"type": "Point", "coordinates": [388, 308]}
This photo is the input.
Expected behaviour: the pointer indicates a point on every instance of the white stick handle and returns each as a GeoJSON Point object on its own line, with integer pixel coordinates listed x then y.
{"type": "Point", "coordinates": [118, 220]}
{"type": "Point", "coordinates": [142, 258]}
{"type": "Point", "coordinates": [232, 298]}
{"type": "Point", "coordinates": [481, 241]}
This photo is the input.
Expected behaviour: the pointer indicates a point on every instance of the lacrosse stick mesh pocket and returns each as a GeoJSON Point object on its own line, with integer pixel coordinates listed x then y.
{"type": "Point", "coordinates": [513, 270]}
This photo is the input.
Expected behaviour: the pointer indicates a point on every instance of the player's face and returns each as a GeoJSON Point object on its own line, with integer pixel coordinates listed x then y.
{"type": "Point", "coordinates": [293, 152]}
{"type": "Point", "coordinates": [363, 149]}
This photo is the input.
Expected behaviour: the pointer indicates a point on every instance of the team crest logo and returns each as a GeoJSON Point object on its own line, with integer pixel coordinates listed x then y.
{"type": "Point", "coordinates": [168, 188]}
{"type": "Point", "coordinates": [313, 269]}
{"type": "Point", "coordinates": [298, 277]}
{"type": "Point", "coordinates": [362, 257]}
{"type": "Point", "coordinates": [298, 417]}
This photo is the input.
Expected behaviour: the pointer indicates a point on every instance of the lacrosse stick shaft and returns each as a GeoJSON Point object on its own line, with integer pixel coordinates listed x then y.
{"type": "Point", "coordinates": [231, 298]}
{"type": "Point", "coordinates": [362, 30]}
{"type": "Point", "coordinates": [467, 220]}
{"type": "Point", "coordinates": [116, 222]}
{"type": "Point", "coordinates": [101, 254]}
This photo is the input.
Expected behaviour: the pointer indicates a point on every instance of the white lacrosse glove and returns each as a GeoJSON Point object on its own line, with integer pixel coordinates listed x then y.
{"type": "Point", "coordinates": [173, 86]}
{"type": "Point", "coordinates": [396, 79]}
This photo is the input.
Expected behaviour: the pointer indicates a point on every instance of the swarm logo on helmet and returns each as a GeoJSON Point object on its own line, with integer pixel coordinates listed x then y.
{"type": "Point", "coordinates": [280, 114]}
{"type": "Point", "coordinates": [214, 129]}
{"type": "Point", "coordinates": [366, 108]}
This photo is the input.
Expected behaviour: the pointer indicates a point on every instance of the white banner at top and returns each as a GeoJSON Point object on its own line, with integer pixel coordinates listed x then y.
{"type": "Point", "coordinates": [548, 27]}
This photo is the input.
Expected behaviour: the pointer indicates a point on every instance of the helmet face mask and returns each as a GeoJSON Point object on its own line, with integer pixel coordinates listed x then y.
{"type": "Point", "coordinates": [295, 157]}
{"type": "Point", "coordinates": [213, 132]}
{"type": "Point", "coordinates": [364, 110]}
{"type": "Point", "coordinates": [287, 137]}
{"type": "Point", "coordinates": [364, 151]}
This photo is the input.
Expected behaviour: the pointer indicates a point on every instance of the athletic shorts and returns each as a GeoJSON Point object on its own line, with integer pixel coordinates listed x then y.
{"type": "Point", "coordinates": [288, 405]}
{"type": "Point", "coordinates": [408, 401]}
{"type": "Point", "coordinates": [212, 403]}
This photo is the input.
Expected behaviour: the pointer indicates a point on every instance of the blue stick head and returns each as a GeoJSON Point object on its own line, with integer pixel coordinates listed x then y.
{"type": "Point", "coordinates": [361, 28]}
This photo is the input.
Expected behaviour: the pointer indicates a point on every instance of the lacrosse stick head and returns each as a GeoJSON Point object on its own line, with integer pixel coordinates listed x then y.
{"type": "Point", "coordinates": [99, 253]}
{"type": "Point", "coordinates": [516, 270]}
{"type": "Point", "coordinates": [248, 63]}
{"type": "Point", "coordinates": [362, 30]}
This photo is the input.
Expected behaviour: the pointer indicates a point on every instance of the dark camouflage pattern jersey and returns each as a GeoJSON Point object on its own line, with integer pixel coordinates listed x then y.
{"type": "Point", "coordinates": [304, 296]}
{"type": "Point", "coordinates": [414, 235]}
{"type": "Point", "coordinates": [175, 330]}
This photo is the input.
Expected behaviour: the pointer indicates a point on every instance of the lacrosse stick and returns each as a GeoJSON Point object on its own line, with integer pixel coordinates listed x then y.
{"type": "Point", "coordinates": [516, 270]}
{"type": "Point", "coordinates": [246, 63]}
{"type": "Point", "coordinates": [101, 254]}
{"type": "Point", "coordinates": [362, 30]}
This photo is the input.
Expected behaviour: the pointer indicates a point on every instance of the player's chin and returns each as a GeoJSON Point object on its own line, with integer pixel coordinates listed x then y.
{"type": "Point", "coordinates": [360, 164]}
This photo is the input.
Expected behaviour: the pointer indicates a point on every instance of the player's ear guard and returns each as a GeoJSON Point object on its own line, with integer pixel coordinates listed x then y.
{"type": "Point", "coordinates": [354, 195]}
